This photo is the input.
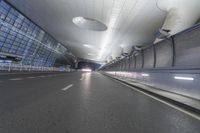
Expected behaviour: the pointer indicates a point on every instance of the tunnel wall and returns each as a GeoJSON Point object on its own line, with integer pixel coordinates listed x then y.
{"type": "Point", "coordinates": [23, 42]}
{"type": "Point", "coordinates": [172, 65]}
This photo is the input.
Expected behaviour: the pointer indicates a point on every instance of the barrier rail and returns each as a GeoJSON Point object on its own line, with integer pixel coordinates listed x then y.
{"type": "Point", "coordinates": [20, 67]}
{"type": "Point", "coordinates": [172, 65]}
{"type": "Point", "coordinates": [180, 51]}
{"type": "Point", "coordinates": [182, 82]}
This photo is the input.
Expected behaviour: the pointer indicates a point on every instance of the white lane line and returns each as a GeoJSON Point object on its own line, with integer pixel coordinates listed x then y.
{"type": "Point", "coordinates": [31, 77]}
{"type": "Point", "coordinates": [15, 79]}
{"type": "Point", "coordinates": [67, 87]}
{"type": "Point", "coordinates": [41, 76]}
{"type": "Point", "coordinates": [164, 102]}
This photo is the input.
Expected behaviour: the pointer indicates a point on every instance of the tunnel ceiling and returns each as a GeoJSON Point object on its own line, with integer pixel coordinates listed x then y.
{"type": "Point", "coordinates": [128, 23]}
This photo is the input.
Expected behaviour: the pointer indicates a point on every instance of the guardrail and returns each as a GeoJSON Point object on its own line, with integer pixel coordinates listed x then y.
{"type": "Point", "coordinates": [172, 65]}
{"type": "Point", "coordinates": [180, 51]}
{"type": "Point", "coordinates": [182, 82]}
{"type": "Point", "coordinates": [20, 67]}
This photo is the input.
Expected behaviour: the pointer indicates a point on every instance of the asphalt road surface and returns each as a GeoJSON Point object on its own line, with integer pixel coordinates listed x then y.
{"type": "Point", "coordinates": [83, 103]}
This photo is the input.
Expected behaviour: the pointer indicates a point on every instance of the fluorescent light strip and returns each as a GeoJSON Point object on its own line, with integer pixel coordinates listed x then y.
{"type": "Point", "coordinates": [183, 78]}
{"type": "Point", "coordinates": [87, 45]}
{"type": "Point", "coordinates": [118, 5]}
{"type": "Point", "coordinates": [91, 54]}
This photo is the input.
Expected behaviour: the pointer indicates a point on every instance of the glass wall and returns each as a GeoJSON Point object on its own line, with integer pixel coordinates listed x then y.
{"type": "Point", "coordinates": [21, 37]}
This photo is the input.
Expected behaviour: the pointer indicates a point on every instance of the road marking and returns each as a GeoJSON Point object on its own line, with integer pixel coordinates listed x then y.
{"type": "Point", "coordinates": [67, 87]}
{"type": "Point", "coordinates": [31, 77]}
{"type": "Point", "coordinates": [15, 79]}
{"type": "Point", "coordinates": [41, 76]}
{"type": "Point", "coordinates": [162, 101]}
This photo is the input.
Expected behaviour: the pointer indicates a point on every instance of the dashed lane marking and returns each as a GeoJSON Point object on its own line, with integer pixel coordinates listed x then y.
{"type": "Point", "coordinates": [41, 76]}
{"type": "Point", "coordinates": [15, 79]}
{"type": "Point", "coordinates": [67, 87]}
{"type": "Point", "coordinates": [31, 77]}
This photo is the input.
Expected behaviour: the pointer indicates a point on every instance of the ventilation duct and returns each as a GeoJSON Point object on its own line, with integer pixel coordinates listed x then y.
{"type": "Point", "coordinates": [181, 14]}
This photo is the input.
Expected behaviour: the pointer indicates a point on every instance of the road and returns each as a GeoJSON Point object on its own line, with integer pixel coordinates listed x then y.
{"type": "Point", "coordinates": [83, 103]}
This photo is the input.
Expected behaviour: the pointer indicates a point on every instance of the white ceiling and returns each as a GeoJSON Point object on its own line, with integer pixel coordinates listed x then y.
{"type": "Point", "coordinates": [129, 22]}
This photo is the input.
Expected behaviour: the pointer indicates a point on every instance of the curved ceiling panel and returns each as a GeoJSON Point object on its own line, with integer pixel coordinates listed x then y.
{"type": "Point", "coordinates": [129, 22]}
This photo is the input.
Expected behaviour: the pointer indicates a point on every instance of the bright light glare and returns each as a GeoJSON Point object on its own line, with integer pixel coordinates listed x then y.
{"type": "Point", "coordinates": [145, 74]}
{"type": "Point", "coordinates": [115, 14]}
{"type": "Point", "coordinates": [183, 78]}
{"type": "Point", "coordinates": [87, 45]}
{"type": "Point", "coordinates": [86, 70]}
{"type": "Point", "coordinates": [105, 42]}
{"type": "Point", "coordinates": [91, 54]}
{"type": "Point", "coordinates": [78, 20]}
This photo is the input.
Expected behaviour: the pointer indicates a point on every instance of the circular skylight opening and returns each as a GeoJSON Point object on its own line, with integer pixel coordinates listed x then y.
{"type": "Point", "coordinates": [89, 24]}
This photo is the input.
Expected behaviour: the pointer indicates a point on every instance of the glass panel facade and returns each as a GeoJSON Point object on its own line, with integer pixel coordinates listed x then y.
{"type": "Point", "coordinates": [19, 36]}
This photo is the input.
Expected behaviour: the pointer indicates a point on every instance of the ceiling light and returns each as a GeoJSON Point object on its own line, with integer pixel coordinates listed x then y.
{"type": "Point", "coordinates": [87, 45]}
{"type": "Point", "coordinates": [122, 45]}
{"type": "Point", "coordinates": [89, 24]}
{"type": "Point", "coordinates": [113, 19]}
{"type": "Point", "coordinates": [115, 14]}
{"type": "Point", "coordinates": [91, 54]}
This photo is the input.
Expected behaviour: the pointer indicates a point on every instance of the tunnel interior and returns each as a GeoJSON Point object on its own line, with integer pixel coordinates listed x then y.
{"type": "Point", "coordinates": [99, 66]}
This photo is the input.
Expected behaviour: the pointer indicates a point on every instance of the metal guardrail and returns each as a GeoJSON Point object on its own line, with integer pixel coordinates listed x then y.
{"type": "Point", "coordinates": [179, 51]}
{"type": "Point", "coordinates": [20, 67]}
